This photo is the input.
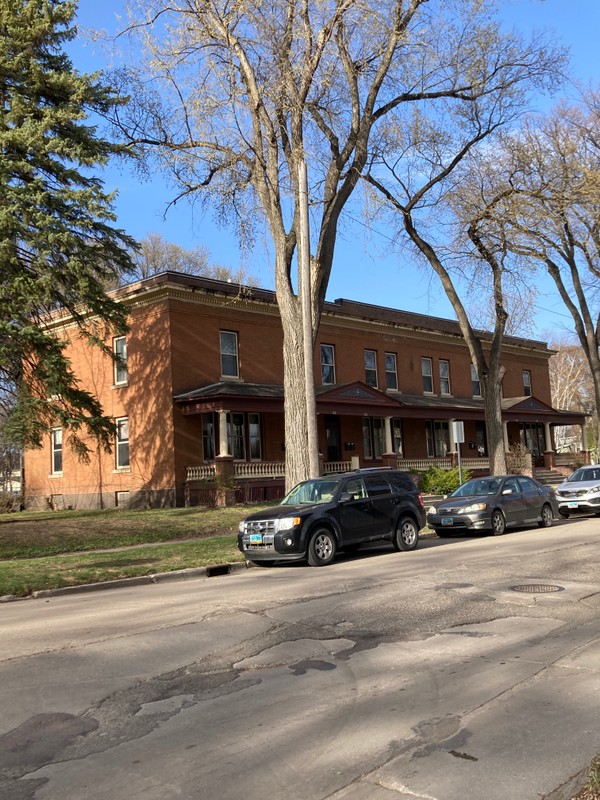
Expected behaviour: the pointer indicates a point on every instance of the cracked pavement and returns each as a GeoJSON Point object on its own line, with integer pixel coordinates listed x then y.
{"type": "Point", "coordinates": [382, 677]}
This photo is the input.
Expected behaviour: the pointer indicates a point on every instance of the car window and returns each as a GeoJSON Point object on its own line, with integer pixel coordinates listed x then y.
{"type": "Point", "coordinates": [316, 491]}
{"type": "Point", "coordinates": [526, 484]}
{"type": "Point", "coordinates": [376, 485]}
{"type": "Point", "coordinates": [511, 485]}
{"type": "Point", "coordinates": [401, 481]}
{"type": "Point", "coordinates": [355, 488]}
{"type": "Point", "coordinates": [477, 487]}
{"type": "Point", "coordinates": [585, 474]}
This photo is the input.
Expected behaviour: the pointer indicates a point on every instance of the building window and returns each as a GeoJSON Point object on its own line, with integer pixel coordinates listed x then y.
{"type": "Point", "coordinates": [427, 373]}
{"type": "Point", "coordinates": [527, 383]}
{"type": "Point", "coordinates": [229, 355]}
{"type": "Point", "coordinates": [244, 436]}
{"type": "Point", "coordinates": [57, 450]}
{"type": "Point", "coordinates": [254, 437]}
{"type": "Point", "coordinates": [120, 354]}
{"type": "Point", "coordinates": [371, 368]}
{"type": "Point", "coordinates": [475, 382]}
{"type": "Point", "coordinates": [208, 437]}
{"type": "Point", "coordinates": [373, 437]}
{"type": "Point", "coordinates": [397, 437]}
{"type": "Point", "coordinates": [121, 499]}
{"type": "Point", "coordinates": [327, 364]}
{"type": "Point", "coordinates": [391, 371]}
{"type": "Point", "coordinates": [122, 442]}
{"type": "Point", "coordinates": [437, 433]}
{"type": "Point", "coordinates": [444, 376]}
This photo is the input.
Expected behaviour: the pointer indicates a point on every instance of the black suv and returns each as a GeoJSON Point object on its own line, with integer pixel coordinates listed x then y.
{"type": "Point", "coordinates": [341, 510]}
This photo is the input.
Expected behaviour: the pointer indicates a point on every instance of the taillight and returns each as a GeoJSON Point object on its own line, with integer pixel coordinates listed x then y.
{"type": "Point", "coordinates": [420, 500]}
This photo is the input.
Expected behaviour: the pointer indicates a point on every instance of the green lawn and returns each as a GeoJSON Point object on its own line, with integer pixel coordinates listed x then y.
{"type": "Point", "coordinates": [50, 550]}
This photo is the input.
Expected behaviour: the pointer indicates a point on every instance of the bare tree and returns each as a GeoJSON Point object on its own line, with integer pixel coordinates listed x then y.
{"type": "Point", "coordinates": [572, 386]}
{"type": "Point", "coordinates": [156, 255]}
{"type": "Point", "coordinates": [440, 184]}
{"type": "Point", "coordinates": [235, 96]}
{"type": "Point", "coordinates": [546, 212]}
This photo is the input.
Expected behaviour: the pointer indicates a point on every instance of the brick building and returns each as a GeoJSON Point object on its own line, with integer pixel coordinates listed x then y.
{"type": "Point", "coordinates": [197, 391]}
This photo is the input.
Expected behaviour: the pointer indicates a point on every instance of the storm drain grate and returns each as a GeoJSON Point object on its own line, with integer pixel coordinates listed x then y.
{"type": "Point", "coordinates": [537, 588]}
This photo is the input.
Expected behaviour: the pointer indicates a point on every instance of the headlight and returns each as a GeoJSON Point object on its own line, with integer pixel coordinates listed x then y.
{"type": "Point", "coordinates": [287, 523]}
{"type": "Point", "coordinates": [241, 527]}
{"type": "Point", "coordinates": [474, 507]}
{"type": "Point", "coordinates": [432, 510]}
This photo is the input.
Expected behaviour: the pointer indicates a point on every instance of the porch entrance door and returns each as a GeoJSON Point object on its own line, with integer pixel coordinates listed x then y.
{"type": "Point", "coordinates": [332, 436]}
{"type": "Point", "coordinates": [532, 436]}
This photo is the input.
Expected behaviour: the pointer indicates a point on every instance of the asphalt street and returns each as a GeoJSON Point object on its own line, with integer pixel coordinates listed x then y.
{"type": "Point", "coordinates": [468, 669]}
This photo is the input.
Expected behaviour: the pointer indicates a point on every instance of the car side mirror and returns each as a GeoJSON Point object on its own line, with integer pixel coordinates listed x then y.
{"type": "Point", "coordinates": [507, 491]}
{"type": "Point", "coordinates": [345, 497]}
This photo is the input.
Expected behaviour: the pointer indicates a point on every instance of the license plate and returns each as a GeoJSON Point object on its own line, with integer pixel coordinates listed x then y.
{"type": "Point", "coordinates": [572, 505]}
{"type": "Point", "coordinates": [256, 538]}
{"type": "Point", "coordinates": [447, 521]}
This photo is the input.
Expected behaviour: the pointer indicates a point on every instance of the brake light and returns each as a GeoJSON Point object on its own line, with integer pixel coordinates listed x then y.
{"type": "Point", "coordinates": [420, 500]}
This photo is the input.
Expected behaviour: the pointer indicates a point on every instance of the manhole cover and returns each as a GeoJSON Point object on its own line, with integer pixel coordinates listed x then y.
{"type": "Point", "coordinates": [537, 588]}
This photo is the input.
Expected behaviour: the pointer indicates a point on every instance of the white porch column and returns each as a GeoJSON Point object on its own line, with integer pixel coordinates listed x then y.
{"type": "Point", "coordinates": [387, 426]}
{"type": "Point", "coordinates": [505, 431]}
{"type": "Point", "coordinates": [584, 438]}
{"type": "Point", "coordinates": [223, 443]}
{"type": "Point", "coordinates": [547, 436]}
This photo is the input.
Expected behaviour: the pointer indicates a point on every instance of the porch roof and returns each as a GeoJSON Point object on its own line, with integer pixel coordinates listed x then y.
{"type": "Point", "coordinates": [359, 399]}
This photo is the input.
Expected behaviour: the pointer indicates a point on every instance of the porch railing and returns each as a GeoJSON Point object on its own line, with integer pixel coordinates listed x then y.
{"type": "Point", "coordinates": [421, 464]}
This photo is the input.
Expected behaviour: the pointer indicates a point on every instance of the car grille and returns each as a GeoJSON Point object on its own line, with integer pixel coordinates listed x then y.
{"type": "Point", "coordinates": [573, 492]}
{"type": "Point", "coordinates": [259, 526]}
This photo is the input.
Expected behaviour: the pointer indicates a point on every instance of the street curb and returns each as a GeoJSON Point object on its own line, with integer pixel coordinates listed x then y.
{"type": "Point", "coordinates": [211, 571]}
{"type": "Point", "coordinates": [141, 580]}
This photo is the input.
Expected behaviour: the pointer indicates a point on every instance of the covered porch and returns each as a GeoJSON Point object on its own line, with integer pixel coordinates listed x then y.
{"type": "Point", "coordinates": [240, 427]}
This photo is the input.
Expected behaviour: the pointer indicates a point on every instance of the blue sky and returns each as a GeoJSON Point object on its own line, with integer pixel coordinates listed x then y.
{"type": "Point", "coordinates": [360, 254]}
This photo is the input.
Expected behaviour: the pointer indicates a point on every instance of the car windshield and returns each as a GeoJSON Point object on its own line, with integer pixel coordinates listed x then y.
{"type": "Point", "coordinates": [311, 492]}
{"type": "Point", "coordinates": [585, 474]}
{"type": "Point", "coordinates": [479, 486]}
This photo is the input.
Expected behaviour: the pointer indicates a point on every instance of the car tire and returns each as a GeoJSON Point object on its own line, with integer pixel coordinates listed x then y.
{"type": "Point", "coordinates": [498, 523]}
{"type": "Point", "coordinates": [563, 513]}
{"type": "Point", "coordinates": [546, 517]}
{"type": "Point", "coordinates": [406, 535]}
{"type": "Point", "coordinates": [321, 548]}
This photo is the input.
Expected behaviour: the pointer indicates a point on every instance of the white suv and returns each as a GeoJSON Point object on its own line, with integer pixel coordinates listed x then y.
{"type": "Point", "coordinates": [580, 493]}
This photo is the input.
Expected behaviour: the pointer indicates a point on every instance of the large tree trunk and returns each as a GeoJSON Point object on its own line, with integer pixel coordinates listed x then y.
{"type": "Point", "coordinates": [297, 456]}
{"type": "Point", "coordinates": [492, 401]}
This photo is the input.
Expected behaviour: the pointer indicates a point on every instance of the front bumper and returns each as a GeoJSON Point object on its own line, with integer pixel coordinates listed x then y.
{"type": "Point", "coordinates": [477, 521]}
{"type": "Point", "coordinates": [282, 546]}
{"type": "Point", "coordinates": [582, 505]}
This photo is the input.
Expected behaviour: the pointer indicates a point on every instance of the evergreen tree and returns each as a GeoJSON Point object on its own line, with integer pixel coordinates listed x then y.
{"type": "Point", "coordinates": [58, 244]}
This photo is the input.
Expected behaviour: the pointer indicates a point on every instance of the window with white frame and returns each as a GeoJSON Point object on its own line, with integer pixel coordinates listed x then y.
{"type": "Point", "coordinates": [56, 443]}
{"type": "Point", "coordinates": [371, 368]}
{"type": "Point", "coordinates": [475, 382]}
{"type": "Point", "coordinates": [121, 499]}
{"type": "Point", "coordinates": [444, 376]}
{"type": "Point", "coordinates": [254, 437]}
{"type": "Point", "coordinates": [527, 383]}
{"type": "Point", "coordinates": [120, 363]}
{"type": "Point", "coordinates": [391, 371]}
{"type": "Point", "coordinates": [327, 364]}
{"type": "Point", "coordinates": [229, 355]}
{"type": "Point", "coordinates": [427, 373]}
{"type": "Point", "coordinates": [397, 437]}
{"type": "Point", "coordinates": [122, 442]}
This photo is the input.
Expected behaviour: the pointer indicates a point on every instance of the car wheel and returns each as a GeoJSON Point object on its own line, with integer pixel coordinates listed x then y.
{"type": "Point", "coordinates": [406, 535]}
{"type": "Point", "coordinates": [563, 513]}
{"type": "Point", "coordinates": [321, 548]}
{"type": "Point", "coordinates": [547, 516]}
{"type": "Point", "coordinates": [498, 523]}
